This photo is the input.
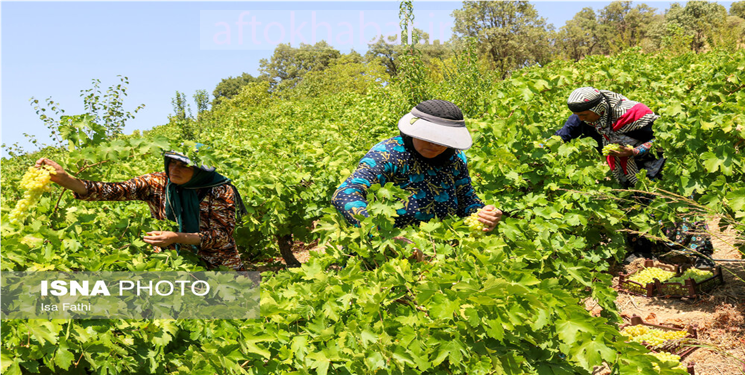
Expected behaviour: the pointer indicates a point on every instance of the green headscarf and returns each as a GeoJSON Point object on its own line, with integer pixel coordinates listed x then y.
{"type": "Point", "coordinates": [182, 201]}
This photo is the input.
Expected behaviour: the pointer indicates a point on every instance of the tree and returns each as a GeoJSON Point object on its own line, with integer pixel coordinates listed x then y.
{"type": "Point", "coordinates": [346, 74]}
{"type": "Point", "coordinates": [510, 33]}
{"type": "Point", "coordinates": [579, 37]}
{"type": "Point", "coordinates": [622, 26]}
{"type": "Point", "coordinates": [202, 101]}
{"type": "Point", "coordinates": [230, 87]}
{"type": "Point", "coordinates": [288, 65]}
{"type": "Point", "coordinates": [180, 107]}
{"type": "Point", "coordinates": [102, 111]}
{"type": "Point", "coordinates": [737, 9]}
{"type": "Point", "coordinates": [385, 51]}
{"type": "Point", "coordinates": [701, 20]}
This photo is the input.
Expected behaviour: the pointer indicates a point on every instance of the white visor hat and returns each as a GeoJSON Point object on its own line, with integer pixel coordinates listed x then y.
{"type": "Point", "coordinates": [441, 131]}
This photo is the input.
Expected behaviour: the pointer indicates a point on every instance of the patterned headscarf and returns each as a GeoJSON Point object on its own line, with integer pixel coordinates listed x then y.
{"type": "Point", "coordinates": [584, 99]}
{"type": "Point", "coordinates": [618, 115]}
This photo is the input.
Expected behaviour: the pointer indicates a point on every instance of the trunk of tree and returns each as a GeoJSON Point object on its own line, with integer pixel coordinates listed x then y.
{"type": "Point", "coordinates": [285, 248]}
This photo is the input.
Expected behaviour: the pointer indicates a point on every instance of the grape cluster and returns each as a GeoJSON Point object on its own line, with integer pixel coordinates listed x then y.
{"type": "Point", "coordinates": [474, 223]}
{"type": "Point", "coordinates": [692, 273]}
{"type": "Point", "coordinates": [652, 336]}
{"type": "Point", "coordinates": [34, 182]}
{"type": "Point", "coordinates": [611, 147]}
{"type": "Point", "coordinates": [648, 275]}
{"type": "Point", "coordinates": [668, 357]}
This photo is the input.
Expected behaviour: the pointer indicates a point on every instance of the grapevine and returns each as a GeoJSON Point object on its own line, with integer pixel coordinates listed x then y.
{"type": "Point", "coordinates": [34, 182]}
{"type": "Point", "coordinates": [356, 320]}
{"type": "Point", "coordinates": [668, 357]}
{"type": "Point", "coordinates": [648, 275]}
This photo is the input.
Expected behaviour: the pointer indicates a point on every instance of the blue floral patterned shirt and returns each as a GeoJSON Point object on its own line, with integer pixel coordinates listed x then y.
{"type": "Point", "coordinates": [436, 191]}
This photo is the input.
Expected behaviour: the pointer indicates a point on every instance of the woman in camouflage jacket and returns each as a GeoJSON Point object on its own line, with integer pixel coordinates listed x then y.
{"type": "Point", "coordinates": [199, 199]}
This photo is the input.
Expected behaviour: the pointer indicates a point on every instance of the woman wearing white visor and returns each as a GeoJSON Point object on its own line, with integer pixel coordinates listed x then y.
{"type": "Point", "coordinates": [427, 160]}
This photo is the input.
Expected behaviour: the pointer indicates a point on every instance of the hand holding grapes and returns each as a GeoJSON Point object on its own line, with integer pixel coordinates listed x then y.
{"type": "Point", "coordinates": [490, 216]}
{"type": "Point", "coordinates": [621, 151]}
{"type": "Point", "coordinates": [60, 177]}
{"type": "Point", "coordinates": [486, 218]}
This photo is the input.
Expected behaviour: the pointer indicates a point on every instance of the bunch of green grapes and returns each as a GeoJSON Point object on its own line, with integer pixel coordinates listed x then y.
{"type": "Point", "coordinates": [34, 182]}
{"type": "Point", "coordinates": [634, 331]}
{"type": "Point", "coordinates": [611, 147]}
{"type": "Point", "coordinates": [668, 358]}
{"type": "Point", "coordinates": [692, 273]}
{"type": "Point", "coordinates": [648, 275]}
{"type": "Point", "coordinates": [474, 223]}
{"type": "Point", "coordinates": [652, 336]}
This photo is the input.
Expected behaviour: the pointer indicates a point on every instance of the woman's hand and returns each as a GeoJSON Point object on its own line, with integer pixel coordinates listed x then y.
{"type": "Point", "coordinates": [490, 216]}
{"type": "Point", "coordinates": [624, 152]}
{"type": "Point", "coordinates": [61, 178]}
{"type": "Point", "coordinates": [161, 238]}
{"type": "Point", "coordinates": [168, 238]}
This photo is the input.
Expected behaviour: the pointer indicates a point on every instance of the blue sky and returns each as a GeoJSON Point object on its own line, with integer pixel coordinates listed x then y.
{"type": "Point", "coordinates": [55, 49]}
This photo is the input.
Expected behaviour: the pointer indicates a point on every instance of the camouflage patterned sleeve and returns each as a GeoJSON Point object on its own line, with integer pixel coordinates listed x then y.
{"type": "Point", "coordinates": [141, 188]}
{"type": "Point", "coordinates": [218, 220]}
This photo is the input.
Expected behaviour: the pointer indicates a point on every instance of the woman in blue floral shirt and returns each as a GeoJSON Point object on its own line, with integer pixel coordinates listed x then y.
{"type": "Point", "coordinates": [427, 160]}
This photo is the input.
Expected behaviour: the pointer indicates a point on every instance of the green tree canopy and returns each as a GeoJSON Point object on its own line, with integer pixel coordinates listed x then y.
{"type": "Point", "coordinates": [345, 74]}
{"type": "Point", "coordinates": [202, 100]}
{"type": "Point", "coordinates": [510, 33]}
{"type": "Point", "coordinates": [622, 26]}
{"type": "Point", "coordinates": [288, 65]}
{"type": "Point", "coordinates": [613, 28]}
{"type": "Point", "coordinates": [579, 37]}
{"type": "Point", "coordinates": [231, 86]}
{"type": "Point", "coordinates": [737, 9]}
{"type": "Point", "coordinates": [385, 51]}
{"type": "Point", "coordinates": [702, 20]}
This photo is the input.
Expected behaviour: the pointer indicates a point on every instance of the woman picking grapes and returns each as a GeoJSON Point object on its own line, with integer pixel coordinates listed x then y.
{"type": "Point", "coordinates": [623, 130]}
{"type": "Point", "coordinates": [200, 200]}
{"type": "Point", "coordinates": [427, 160]}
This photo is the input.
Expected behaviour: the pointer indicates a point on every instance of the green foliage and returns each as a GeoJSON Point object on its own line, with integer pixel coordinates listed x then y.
{"type": "Point", "coordinates": [182, 116]}
{"type": "Point", "coordinates": [579, 37]}
{"type": "Point", "coordinates": [105, 110]}
{"type": "Point", "coordinates": [508, 302]}
{"type": "Point", "coordinates": [343, 75]}
{"type": "Point", "coordinates": [410, 74]}
{"type": "Point", "coordinates": [251, 95]}
{"type": "Point", "coordinates": [202, 101]}
{"type": "Point", "coordinates": [675, 40]}
{"type": "Point", "coordinates": [510, 33]}
{"type": "Point", "coordinates": [180, 107]}
{"type": "Point", "coordinates": [737, 9]}
{"type": "Point", "coordinates": [386, 51]}
{"type": "Point", "coordinates": [230, 87]}
{"type": "Point", "coordinates": [622, 26]}
{"type": "Point", "coordinates": [466, 82]}
{"type": "Point", "coordinates": [701, 20]}
{"type": "Point", "coordinates": [288, 65]}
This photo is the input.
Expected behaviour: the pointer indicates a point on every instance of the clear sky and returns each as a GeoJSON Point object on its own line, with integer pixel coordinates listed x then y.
{"type": "Point", "coordinates": [55, 49]}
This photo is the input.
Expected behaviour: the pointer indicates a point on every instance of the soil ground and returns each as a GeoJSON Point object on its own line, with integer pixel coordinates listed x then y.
{"type": "Point", "coordinates": [719, 316]}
